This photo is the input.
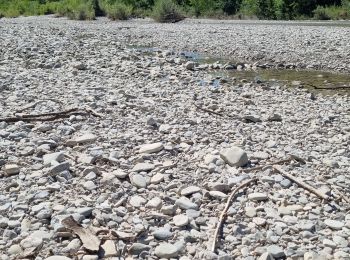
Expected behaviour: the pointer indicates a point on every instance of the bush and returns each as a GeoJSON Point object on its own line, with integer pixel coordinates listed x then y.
{"type": "Point", "coordinates": [117, 11]}
{"type": "Point", "coordinates": [321, 14]}
{"type": "Point", "coordinates": [331, 13]}
{"type": "Point", "coordinates": [76, 9]}
{"type": "Point", "coordinates": [167, 11]}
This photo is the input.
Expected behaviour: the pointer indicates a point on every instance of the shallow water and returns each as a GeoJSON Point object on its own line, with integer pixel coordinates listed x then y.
{"type": "Point", "coordinates": [315, 81]}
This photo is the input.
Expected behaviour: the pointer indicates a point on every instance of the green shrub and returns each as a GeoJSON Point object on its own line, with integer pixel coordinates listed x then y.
{"type": "Point", "coordinates": [117, 11]}
{"type": "Point", "coordinates": [321, 14]}
{"type": "Point", "coordinates": [167, 11]}
{"type": "Point", "coordinates": [331, 13]}
{"type": "Point", "coordinates": [76, 9]}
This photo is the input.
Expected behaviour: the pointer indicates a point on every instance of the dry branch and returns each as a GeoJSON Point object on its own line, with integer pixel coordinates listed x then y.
{"type": "Point", "coordinates": [301, 183]}
{"type": "Point", "coordinates": [50, 116]}
{"type": "Point", "coordinates": [292, 157]}
{"type": "Point", "coordinates": [224, 212]}
{"type": "Point", "coordinates": [90, 241]}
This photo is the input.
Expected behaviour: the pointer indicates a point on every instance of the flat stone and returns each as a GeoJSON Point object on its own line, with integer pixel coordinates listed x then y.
{"type": "Point", "coordinates": [329, 243]}
{"type": "Point", "coordinates": [190, 190]}
{"type": "Point", "coordinates": [288, 210]}
{"type": "Point", "coordinates": [258, 196]}
{"type": "Point", "coordinates": [162, 234]}
{"type": "Point", "coordinates": [276, 251]}
{"type": "Point", "coordinates": [120, 174]}
{"type": "Point", "coordinates": [340, 241]}
{"type": "Point", "coordinates": [181, 220]}
{"type": "Point", "coordinates": [143, 167]}
{"type": "Point", "coordinates": [266, 256]}
{"type": "Point", "coordinates": [155, 203]}
{"type": "Point", "coordinates": [53, 157]}
{"type": "Point", "coordinates": [14, 250]}
{"type": "Point", "coordinates": [138, 248]}
{"type": "Point", "coordinates": [250, 212]}
{"type": "Point", "coordinates": [31, 242]}
{"type": "Point", "coordinates": [58, 168]}
{"type": "Point", "coordinates": [217, 194]}
{"type": "Point", "coordinates": [167, 250]}
{"type": "Point", "coordinates": [151, 148]}
{"type": "Point", "coordinates": [234, 156]}
{"type": "Point", "coordinates": [334, 224]}
{"type": "Point", "coordinates": [11, 169]}
{"type": "Point", "coordinates": [58, 257]}
{"type": "Point", "coordinates": [157, 178]}
{"type": "Point", "coordinates": [108, 249]}
{"type": "Point", "coordinates": [223, 187]}
{"type": "Point", "coordinates": [86, 138]}
{"type": "Point", "coordinates": [137, 201]}
{"type": "Point", "coordinates": [138, 181]}
{"type": "Point", "coordinates": [89, 185]}
{"type": "Point", "coordinates": [259, 221]}
{"type": "Point", "coordinates": [184, 203]}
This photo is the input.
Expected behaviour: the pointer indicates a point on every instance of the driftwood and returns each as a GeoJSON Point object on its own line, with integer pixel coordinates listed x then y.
{"type": "Point", "coordinates": [90, 241]}
{"type": "Point", "coordinates": [301, 183]}
{"type": "Point", "coordinates": [50, 116]}
{"type": "Point", "coordinates": [224, 212]}
{"type": "Point", "coordinates": [291, 158]}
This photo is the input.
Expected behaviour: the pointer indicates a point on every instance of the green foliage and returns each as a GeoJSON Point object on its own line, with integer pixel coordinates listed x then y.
{"type": "Point", "coordinates": [161, 9]}
{"type": "Point", "coordinates": [167, 11]}
{"type": "Point", "coordinates": [77, 9]}
{"type": "Point", "coordinates": [116, 10]}
{"type": "Point", "coordinates": [331, 13]}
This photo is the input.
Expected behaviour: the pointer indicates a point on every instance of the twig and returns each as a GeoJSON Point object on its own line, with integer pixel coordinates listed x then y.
{"type": "Point", "coordinates": [301, 183]}
{"type": "Point", "coordinates": [208, 110]}
{"type": "Point", "coordinates": [341, 195]}
{"type": "Point", "coordinates": [49, 116]}
{"type": "Point", "coordinates": [224, 212]}
{"type": "Point", "coordinates": [291, 158]}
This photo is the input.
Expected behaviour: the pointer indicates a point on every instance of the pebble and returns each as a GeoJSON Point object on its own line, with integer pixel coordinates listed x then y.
{"type": "Point", "coordinates": [143, 167]}
{"type": "Point", "coordinates": [276, 251]}
{"type": "Point", "coordinates": [181, 220]}
{"type": "Point", "coordinates": [162, 234]}
{"type": "Point", "coordinates": [151, 148]}
{"type": "Point", "coordinates": [334, 224]}
{"type": "Point", "coordinates": [185, 203]}
{"type": "Point", "coordinates": [190, 190]}
{"type": "Point", "coordinates": [137, 201]}
{"type": "Point", "coordinates": [235, 156]}
{"type": "Point", "coordinates": [257, 196]}
{"type": "Point", "coordinates": [11, 169]}
{"type": "Point", "coordinates": [138, 181]}
{"type": "Point", "coordinates": [166, 250]}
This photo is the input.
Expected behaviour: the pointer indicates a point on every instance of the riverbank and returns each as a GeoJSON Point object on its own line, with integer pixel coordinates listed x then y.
{"type": "Point", "coordinates": [145, 147]}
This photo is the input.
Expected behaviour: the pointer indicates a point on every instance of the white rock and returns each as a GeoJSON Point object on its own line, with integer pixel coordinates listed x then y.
{"type": "Point", "coordinates": [11, 169]}
{"type": "Point", "coordinates": [180, 220]}
{"type": "Point", "coordinates": [190, 190]}
{"type": "Point", "coordinates": [143, 167]}
{"type": "Point", "coordinates": [157, 178]}
{"type": "Point", "coordinates": [234, 156]}
{"type": "Point", "coordinates": [334, 224]}
{"type": "Point", "coordinates": [151, 148]}
{"type": "Point", "coordinates": [257, 196]}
